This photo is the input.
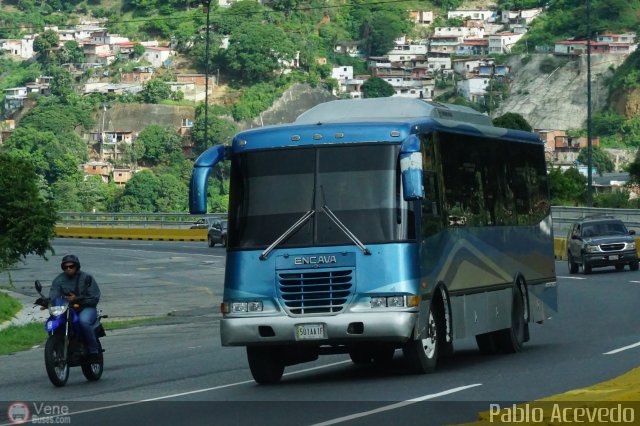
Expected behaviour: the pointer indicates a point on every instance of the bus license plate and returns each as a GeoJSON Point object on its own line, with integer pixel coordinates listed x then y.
{"type": "Point", "coordinates": [309, 331]}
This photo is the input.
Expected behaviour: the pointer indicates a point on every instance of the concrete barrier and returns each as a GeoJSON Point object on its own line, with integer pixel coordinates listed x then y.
{"type": "Point", "coordinates": [132, 233]}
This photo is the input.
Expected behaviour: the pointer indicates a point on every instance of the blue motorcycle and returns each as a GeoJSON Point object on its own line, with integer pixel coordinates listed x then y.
{"type": "Point", "coordinates": [65, 346]}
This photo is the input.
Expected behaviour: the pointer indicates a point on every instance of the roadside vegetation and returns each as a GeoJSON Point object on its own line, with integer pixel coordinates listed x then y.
{"type": "Point", "coordinates": [17, 338]}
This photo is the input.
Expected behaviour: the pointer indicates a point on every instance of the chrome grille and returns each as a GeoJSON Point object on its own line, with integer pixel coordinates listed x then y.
{"type": "Point", "coordinates": [314, 292]}
{"type": "Point", "coordinates": [612, 247]}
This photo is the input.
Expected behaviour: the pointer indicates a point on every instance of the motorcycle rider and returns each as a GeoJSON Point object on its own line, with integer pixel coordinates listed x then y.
{"type": "Point", "coordinates": [79, 288]}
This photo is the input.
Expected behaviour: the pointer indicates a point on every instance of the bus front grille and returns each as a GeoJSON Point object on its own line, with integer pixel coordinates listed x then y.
{"type": "Point", "coordinates": [307, 293]}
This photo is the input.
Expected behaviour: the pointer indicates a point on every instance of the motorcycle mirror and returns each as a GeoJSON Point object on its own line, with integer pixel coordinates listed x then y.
{"type": "Point", "coordinates": [38, 286]}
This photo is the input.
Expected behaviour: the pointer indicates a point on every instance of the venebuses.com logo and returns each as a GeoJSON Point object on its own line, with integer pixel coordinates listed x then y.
{"type": "Point", "coordinates": [38, 413]}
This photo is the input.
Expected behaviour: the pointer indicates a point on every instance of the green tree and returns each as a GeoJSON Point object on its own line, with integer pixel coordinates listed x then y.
{"type": "Point", "coordinates": [376, 87]}
{"type": "Point", "coordinates": [27, 221]}
{"type": "Point", "coordinates": [257, 53]}
{"type": "Point", "coordinates": [220, 131]}
{"type": "Point", "coordinates": [568, 187]}
{"type": "Point", "coordinates": [380, 30]}
{"type": "Point", "coordinates": [139, 193]}
{"type": "Point", "coordinates": [44, 44]}
{"type": "Point", "coordinates": [600, 159]}
{"type": "Point", "coordinates": [155, 91]}
{"type": "Point", "coordinates": [512, 120]}
{"type": "Point", "coordinates": [71, 53]}
{"type": "Point", "coordinates": [138, 50]}
{"type": "Point", "coordinates": [160, 144]}
{"type": "Point", "coordinates": [172, 194]}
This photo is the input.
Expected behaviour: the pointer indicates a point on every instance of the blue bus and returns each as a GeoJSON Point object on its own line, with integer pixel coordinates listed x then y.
{"type": "Point", "coordinates": [371, 225]}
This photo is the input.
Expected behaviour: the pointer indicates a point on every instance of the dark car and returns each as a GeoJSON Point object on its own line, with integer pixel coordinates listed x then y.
{"type": "Point", "coordinates": [202, 223]}
{"type": "Point", "coordinates": [217, 232]}
{"type": "Point", "coordinates": [601, 242]}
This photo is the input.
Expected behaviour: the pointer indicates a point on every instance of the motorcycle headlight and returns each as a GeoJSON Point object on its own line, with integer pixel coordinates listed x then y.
{"type": "Point", "coordinates": [57, 310]}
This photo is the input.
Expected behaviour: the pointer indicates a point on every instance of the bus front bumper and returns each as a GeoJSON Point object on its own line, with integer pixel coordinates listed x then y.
{"type": "Point", "coordinates": [326, 330]}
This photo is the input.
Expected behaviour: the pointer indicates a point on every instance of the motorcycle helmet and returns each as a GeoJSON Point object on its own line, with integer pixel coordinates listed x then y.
{"type": "Point", "coordinates": [70, 258]}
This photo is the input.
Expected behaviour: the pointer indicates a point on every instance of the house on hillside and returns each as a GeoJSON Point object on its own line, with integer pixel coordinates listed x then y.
{"type": "Point", "coordinates": [121, 176]}
{"type": "Point", "coordinates": [473, 47]}
{"type": "Point", "coordinates": [503, 42]}
{"type": "Point", "coordinates": [14, 99]}
{"type": "Point", "coordinates": [98, 168]}
{"type": "Point", "coordinates": [20, 47]}
{"type": "Point", "coordinates": [445, 44]}
{"type": "Point", "coordinates": [478, 15]}
{"type": "Point", "coordinates": [158, 56]}
{"type": "Point", "coordinates": [421, 17]}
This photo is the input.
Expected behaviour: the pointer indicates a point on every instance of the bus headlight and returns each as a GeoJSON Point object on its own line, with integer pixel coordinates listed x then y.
{"type": "Point", "coordinates": [396, 301]}
{"type": "Point", "coordinates": [241, 307]}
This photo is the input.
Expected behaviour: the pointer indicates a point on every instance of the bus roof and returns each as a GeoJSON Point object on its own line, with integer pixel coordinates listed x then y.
{"type": "Point", "coordinates": [389, 109]}
{"type": "Point", "coordinates": [373, 120]}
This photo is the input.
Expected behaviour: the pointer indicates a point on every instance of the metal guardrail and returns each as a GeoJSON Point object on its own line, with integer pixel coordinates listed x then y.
{"type": "Point", "coordinates": [132, 220]}
{"type": "Point", "coordinates": [563, 217]}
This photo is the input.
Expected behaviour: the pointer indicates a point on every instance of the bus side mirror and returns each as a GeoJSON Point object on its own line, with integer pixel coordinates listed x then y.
{"type": "Point", "coordinates": [411, 169]}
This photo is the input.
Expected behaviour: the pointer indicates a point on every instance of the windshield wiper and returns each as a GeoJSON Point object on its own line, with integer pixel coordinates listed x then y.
{"type": "Point", "coordinates": [344, 229]}
{"type": "Point", "coordinates": [286, 234]}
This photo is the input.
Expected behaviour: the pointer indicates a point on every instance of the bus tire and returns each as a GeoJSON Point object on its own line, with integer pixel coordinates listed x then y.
{"type": "Point", "coordinates": [421, 354]}
{"type": "Point", "coordinates": [266, 364]}
{"type": "Point", "coordinates": [511, 340]}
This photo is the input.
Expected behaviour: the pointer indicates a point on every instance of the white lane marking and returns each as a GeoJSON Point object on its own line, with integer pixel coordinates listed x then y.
{"type": "Point", "coordinates": [615, 351]}
{"type": "Point", "coordinates": [141, 244]}
{"type": "Point", "coordinates": [637, 282]}
{"type": "Point", "coordinates": [571, 278]}
{"type": "Point", "coordinates": [396, 405]}
{"type": "Point", "coordinates": [159, 398]}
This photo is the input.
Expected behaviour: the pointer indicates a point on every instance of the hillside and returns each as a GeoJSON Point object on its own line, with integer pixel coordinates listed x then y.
{"type": "Point", "coordinates": [558, 100]}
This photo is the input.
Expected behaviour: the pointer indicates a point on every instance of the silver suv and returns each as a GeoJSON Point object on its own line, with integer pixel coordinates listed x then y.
{"type": "Point", "coordinates": [600, 242]}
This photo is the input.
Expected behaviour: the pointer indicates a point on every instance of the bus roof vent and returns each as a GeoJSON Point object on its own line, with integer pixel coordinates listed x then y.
{"type": "Point", "coordinates": [392, 109]}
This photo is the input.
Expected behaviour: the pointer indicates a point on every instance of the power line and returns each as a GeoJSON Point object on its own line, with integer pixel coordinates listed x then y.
{"type": "Point", "coordinates": [184, 18]}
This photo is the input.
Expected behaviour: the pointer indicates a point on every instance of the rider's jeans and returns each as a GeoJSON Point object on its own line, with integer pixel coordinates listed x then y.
{"type": "Point", "coordinates": [87, 318]}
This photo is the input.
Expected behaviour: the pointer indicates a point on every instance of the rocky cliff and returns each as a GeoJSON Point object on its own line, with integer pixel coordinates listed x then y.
{"type": "Point", "coordinates": [558, 100]}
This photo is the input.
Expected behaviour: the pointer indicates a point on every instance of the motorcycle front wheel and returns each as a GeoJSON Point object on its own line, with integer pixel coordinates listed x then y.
{"type": "Point", "coordinates": [55, 362]}
{"type": "Point", "coordinates": [93, 371]}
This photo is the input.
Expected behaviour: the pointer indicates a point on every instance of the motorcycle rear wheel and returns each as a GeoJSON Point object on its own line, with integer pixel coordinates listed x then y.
{"type": "Point", "coordinates": [57, 366]}
{"type": "Point", "coordinates": [93, 371]}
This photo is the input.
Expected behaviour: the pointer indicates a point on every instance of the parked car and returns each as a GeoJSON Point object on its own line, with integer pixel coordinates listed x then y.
{"type": "Point", "coordinates": [217, 232]}
{"type": "Point", "coordinates": [599, 242]}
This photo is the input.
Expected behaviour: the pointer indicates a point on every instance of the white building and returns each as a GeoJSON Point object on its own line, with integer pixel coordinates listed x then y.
{"type": "Point", "coordinates": [406, 51]}
{"type": "Point", "coordinates": [473, 89]}
{"type": "Point", "coordinates": [464, 32]}
{"type": "Point", "coordinates": [503, 42]}
{"type": "Point", "coordinates": [422, 17]}
{"type": "Point", "coordinates": [103, 37]}
{"type": "Point", "coordinates": [481, 15]}
{"type": "Point", "coordinates": [157, 56]}
{"type": "Point", "coordinates": [342, 73]}
{"type": "Point", "coordinates": [21, 47]}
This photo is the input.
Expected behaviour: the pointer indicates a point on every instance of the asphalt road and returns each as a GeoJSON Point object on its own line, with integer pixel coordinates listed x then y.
{"type": "Point", "coordinates": [177, 372]}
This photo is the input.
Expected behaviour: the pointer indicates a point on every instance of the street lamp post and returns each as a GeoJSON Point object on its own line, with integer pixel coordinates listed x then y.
{"type": "Point", "coordinates": [589, 147]}
{"type": "Point", "coordinates": [207, 6]}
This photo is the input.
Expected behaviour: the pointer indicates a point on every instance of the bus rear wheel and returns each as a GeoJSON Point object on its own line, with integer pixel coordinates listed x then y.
{"type": "Point", "coordinates": [422, 354]}
{"type": "Point", "coordinates": [511, 340]}
{"type": "Point", "coordinates": [266, 364]}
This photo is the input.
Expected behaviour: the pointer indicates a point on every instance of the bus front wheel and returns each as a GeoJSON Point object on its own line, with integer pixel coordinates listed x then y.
{"type": "Point", "coordinates": [266, 364]}
{"type": "Point", "coordinates": [422, 354]}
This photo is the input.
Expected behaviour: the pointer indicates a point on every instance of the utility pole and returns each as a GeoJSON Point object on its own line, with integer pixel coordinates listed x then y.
{"type": "Point", "coordinates": [207, 5]}
{"type": "Point", "coordinates": [589, 147]}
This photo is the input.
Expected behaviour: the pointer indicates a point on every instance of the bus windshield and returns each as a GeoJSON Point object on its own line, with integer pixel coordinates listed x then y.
{"type": "Point", "coordinates": [359, 183]}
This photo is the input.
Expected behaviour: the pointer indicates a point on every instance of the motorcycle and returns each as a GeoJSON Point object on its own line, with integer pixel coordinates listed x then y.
{"type": "Point", "coordinates": [65, 346]}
